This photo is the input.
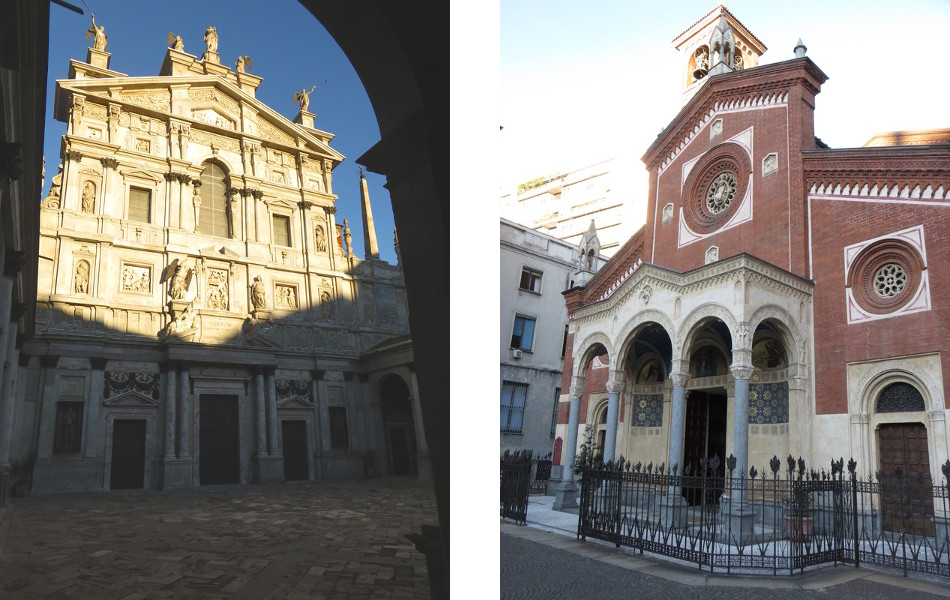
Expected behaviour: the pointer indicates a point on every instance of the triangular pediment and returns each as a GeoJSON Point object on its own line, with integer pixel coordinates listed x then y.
{"type": "Point", "coordinates": [212, 102]}
{"type": "Point", "coordinates": [140, 174]}
{"type": "Point", "coordinates": [131, 400]}
{"type": "Point", "coordinates": [295, 403]}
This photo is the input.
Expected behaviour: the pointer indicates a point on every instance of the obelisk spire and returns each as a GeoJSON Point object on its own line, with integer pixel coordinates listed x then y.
{"type": "Point", "coordinates": [369, 230]}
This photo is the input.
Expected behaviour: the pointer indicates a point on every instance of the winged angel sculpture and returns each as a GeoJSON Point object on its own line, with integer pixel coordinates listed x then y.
{"type": "Point", "coordinates": [174, 41]}
{"type": "Point", "coordinates": [241, 62]}
{"type": "Point", "coordinates": [100, 39]}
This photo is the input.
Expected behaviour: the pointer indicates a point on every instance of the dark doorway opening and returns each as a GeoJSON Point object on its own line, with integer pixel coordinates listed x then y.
{"type": "Point", "coordinates": [296, 465]}
{"type": "Point", "coordinates": [705, 438]}
{"type": "Point", "coordinates": [128, 455]}
{"type": "Point", "coordinates": [218, 440]}
{"type": "Point", "coordinates": [906, 488]}
{"type": "Point", "coordinates": [397, 423]}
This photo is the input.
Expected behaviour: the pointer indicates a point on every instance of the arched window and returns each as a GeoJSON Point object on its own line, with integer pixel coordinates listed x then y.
{"type": "Point", "coordinates": [213, 219]}
{"type": "Point", "coordinates": [900, 397]}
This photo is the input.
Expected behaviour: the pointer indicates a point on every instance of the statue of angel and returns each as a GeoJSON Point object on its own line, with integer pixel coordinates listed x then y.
{"type": "Point", "coordinates": [181, 281]}
{"type": "Point", "coordinates": [303, 97]}
{"type": "Point", "coordinates": [101, 39]}
{"type": "Point", "coordinates": [175, 42]}
{"type": "Point", "coordinates": [241, 61]}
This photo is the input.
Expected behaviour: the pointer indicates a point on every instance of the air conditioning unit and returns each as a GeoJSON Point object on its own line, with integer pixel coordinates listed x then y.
{"type": "Point", "coordinates": [515, 353]}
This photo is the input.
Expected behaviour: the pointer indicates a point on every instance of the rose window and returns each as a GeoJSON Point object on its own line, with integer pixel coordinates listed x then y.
{"type": "Point", "coordinates": [889, 280]}
{"type": "Point", "coordinates": [721, 192]}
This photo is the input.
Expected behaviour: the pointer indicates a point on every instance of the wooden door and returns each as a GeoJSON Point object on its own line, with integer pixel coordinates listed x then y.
{"type": "Point", "coordinates": [296, 463]}
{"type": "Point", "coordinates": [906, 492]}
{"type": "Point", "coordinates": [128, 455]}
{"type": "Point", "coordinates": [218, 440]}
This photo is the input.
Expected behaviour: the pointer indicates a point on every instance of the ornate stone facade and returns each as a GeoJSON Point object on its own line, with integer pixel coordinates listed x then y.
{"type": "Point", "coordinates": [173, 266]}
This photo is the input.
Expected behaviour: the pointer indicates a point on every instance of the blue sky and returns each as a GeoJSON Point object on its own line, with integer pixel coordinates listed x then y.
{"type": "Point", "coordinates": [581, 84]}
{"type": "Point", "coordinates": [289, 49]}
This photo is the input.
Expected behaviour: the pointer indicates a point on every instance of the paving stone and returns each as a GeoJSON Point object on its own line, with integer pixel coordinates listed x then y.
{"type": "Point", "coordinates": [316, 540]}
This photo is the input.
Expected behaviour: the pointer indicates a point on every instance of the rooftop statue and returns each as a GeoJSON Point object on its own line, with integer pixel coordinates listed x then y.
{"type": "Point", "coordinates": [175, 42]}
{"type": "Point", "coordinates": [241, 61]}
{"type": "Point", "coordinates": [101, 39]}
{"type": "Point", "coordinates": [303, 97]}
{"type": "Point", "coordinates": [211, 39]}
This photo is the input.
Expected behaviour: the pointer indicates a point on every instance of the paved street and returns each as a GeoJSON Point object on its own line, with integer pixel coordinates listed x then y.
{"type": "Point", "coordinates": [319, 540]}
{"type": "Point", "coordinates": [538, 564]}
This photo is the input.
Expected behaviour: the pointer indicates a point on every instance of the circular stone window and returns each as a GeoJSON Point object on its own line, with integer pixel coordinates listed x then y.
{"type": "Point", "coordinates": [715, 187]}
{"type": "Point", "coordinates": [885, 276]}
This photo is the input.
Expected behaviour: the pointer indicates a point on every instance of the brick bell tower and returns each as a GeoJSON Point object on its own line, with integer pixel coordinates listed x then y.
{"type": "Point", "coordinates": [717, 43]}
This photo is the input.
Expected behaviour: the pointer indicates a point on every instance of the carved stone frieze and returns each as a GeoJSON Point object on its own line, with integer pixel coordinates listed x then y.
{"type": "Point", "coordinates": [217, 296]}
{"type": "Point", "coordinates": [158, 101]}
{"type": "Point", "coordinates": [215, 141]}
{"type": "Point", "coordinates": [117, 383]}
{"type": "Point", "coordinates": [289, 390]}
{"type": "Point", "coordinates": [215, 96]}
{"type": "Point", "coordinates": [136, 278]}
{"type": "Point", "coordinates": [270, 132]}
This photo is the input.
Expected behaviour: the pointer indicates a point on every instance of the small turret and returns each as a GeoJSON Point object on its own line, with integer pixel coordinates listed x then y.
{"type": "Point", "coordinates": [588, 253]}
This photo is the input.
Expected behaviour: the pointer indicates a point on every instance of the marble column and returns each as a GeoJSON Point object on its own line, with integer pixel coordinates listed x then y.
{"type": "Point", "coordinates": [423, 463]}
{"type": "Point", "coordinates": [673, 510]}
{"type": "Point", "coordinates": [614, 387]}
{"type": "Point", "coordinates": [7, 398]}
{"type": "Point", "coordinates": [740, 443]}
{"type": "Point", "coordinates": [261, 404]}
{"type": "Point", "coordinates": [170, 402]}
{"type": "Point", "coordinates": [797, 417]}
{"type": "Point", "coordinates": [566, 493]}
{"type": "Point", "coordinates": [185, 415]}
{"type": "Point", "coordinates": [271, 390]}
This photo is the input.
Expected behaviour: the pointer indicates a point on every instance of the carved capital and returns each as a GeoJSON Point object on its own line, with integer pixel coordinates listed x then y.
{"type": "Point", "coordinates": [109, 163]}
{"type": "Point", "coordinates": [937, 416]}
{"type": "Point", "coordinates": [11, 160]}
{"type": "Point", "coordinates": [230, 193]}
{"type": "Point", "coordinates": [79, 103]}
{"type": "Point", "coordinates": [741, 371]}
{"type": "Point", "coordinates": [305, 204]}
{"type": "Point", "coordinates": [196, 182]}
{"type": "Point", "coordinates": [614, 387]}
{"type": "Point", "coordinates": [258, 194]}
{"type": "Point", "coordinates": [797, 384]}
{"type": "Point", "coordinates": [171, 177]}
{"type": "Point", "coordinates": [330, 210]}
{"type": "Point", "coordinates": [73, 155]}
{"type": "Point", "coordinates": [577, 391]}
{"type": "Point", "coordinates": [860, 419]}
{"type": "Point", "coordinates": [679, 379]}
{"type": "Point", "coordinates": [114, 110]}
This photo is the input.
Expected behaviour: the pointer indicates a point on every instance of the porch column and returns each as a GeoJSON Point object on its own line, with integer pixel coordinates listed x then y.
{"type": "Point", "coordinates": [742, 374]}
{"type": "Point", "coordinates": [271, 414]}
{"type": "Point", "coordinates": [678, 416]}
{"type": "Point", "coordinates": [614, 387]}
{"type": "Point", "coordinates": [566, 495]}
{"type": "Point", "coordinates": [423, 463]}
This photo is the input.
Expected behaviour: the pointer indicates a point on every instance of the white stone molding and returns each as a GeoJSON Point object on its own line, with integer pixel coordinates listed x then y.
{"type": "Point", "coordinates": [866, 390]}
{"type": "Point", "coordinates": [619, 281]}
{"type": "Point", "coordinates": [712, 254]}
{"type": "Point", "coordinates": [792, 336]}
{"type": "Point", "coordinates": [859, 189]}
{"type": "Point", "coordinates": [668, 212]}
{"type": "Point", "coordinates": [693, 319]}
{"type": "Point", "coordinates": [753, 101]}
{"type": "Point", "coordinates": [741, 371]}
{"type": "Point", "coordinates": [628, 332]}
{"type": "Point", "coordinates": [770, 164]}
{"type": "Point", "coordinates": [715, 130]}
{"type": "Point", "coordinates": [585, 349]}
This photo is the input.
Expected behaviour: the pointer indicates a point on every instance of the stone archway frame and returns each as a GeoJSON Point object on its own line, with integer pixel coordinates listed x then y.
{"type": "Point", "coordinates": [796, 344]}
{"type": "Point", "coordinates": [694, 322]}
{"type": "Point", "coordinates": [628, 333]}
{"type": "Point", "coordinates": [865, 420]}
{"type": "Point", "coordinates": [587, 350]}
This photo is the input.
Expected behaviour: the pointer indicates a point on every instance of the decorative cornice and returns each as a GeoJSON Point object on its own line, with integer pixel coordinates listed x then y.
{"type": "Point", "coordinates": [864, 189]}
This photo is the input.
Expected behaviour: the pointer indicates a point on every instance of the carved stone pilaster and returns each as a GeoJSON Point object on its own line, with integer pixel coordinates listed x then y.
{"type": "Point", "coordinates": [114, 111]}
{"type": "Point", "coordinates": [79, 105]}
{"type": "Point", "coordinates": [11, 160]}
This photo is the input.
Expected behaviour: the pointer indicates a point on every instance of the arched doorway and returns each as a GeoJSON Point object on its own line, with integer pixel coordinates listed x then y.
{"type": "Point", "coordinates": [398, 430]}
{"type": "Point", "coordinates": [904, 460]}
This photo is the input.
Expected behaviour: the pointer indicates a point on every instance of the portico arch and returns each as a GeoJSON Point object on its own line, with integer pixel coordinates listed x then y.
{"type": "Point", "coordinates": [695, 320]}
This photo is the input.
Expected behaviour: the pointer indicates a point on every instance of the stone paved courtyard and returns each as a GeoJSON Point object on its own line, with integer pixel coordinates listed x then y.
{"type": "Point", "coordinates": [318, 540]}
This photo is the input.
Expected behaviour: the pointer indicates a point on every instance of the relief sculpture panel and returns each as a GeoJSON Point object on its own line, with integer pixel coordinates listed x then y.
{"type": "Point", "coordinates": [217, 297]}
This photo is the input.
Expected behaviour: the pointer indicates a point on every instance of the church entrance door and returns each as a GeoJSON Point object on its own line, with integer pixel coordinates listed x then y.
{"type": "Point", "coordinates": [128, 455]}
{"type": "Point", "coordinates": [705, 436]}
{"type": "Point", "coordinates": [218, 440]}
{"type": "Point", "coordinates": [296, 465]}
{"type": "Point", "coordinates": [906, 492]}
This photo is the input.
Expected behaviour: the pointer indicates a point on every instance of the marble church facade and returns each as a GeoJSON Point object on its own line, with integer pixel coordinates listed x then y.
{"type": "Point", "coordinates": [200, 315]}
{"type": "Point", "coordinates": [783, 298]}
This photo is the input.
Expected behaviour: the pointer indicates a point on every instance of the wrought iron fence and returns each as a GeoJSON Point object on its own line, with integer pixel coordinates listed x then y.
{"type": "Point", "coordinates": [770, 521]}
{"type": "Point", "coordinates": [540, 474]}
{"type": "Point", "coordinates": [522, 475]}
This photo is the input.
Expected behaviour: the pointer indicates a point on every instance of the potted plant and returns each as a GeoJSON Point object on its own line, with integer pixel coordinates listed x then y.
{"type": "Point", "coordinates": [799, 515]}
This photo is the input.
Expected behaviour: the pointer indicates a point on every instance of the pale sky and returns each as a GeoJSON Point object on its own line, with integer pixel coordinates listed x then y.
{"type": "Point", "coordinates": [584, 82]}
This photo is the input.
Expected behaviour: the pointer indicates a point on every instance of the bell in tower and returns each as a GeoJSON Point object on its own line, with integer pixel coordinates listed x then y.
{"type": "Point", "coordinates": [717, 43]}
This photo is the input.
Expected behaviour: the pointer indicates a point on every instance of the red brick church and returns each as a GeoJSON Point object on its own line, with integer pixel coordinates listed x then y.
{"type": "Point", "coordinates": [783, 297]}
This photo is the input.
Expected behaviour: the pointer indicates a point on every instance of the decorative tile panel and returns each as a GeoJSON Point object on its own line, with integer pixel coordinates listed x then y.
{"type": "Point", "coordinates": [648, 410]}
{"type": "Point", "coordinates": [768, 403]}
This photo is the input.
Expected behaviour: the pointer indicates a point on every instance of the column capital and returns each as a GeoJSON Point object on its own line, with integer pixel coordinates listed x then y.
{"type": "Point", "coordinates": [111, 163]}
{"type": "Point", "coordinates": [679, 378]}
{"type": "Point", "coordinates": [860, 419]}
{"type": "Point", "coordinates": [576, 391]}
{"type": "Point", "coordinates": [614, 386]}
{"type": "Point", "coordinates": [798, 384]}
{"type": "Point", "coordinates": [937, 416]}
{"type": "Point", "coordinates": [741, 371]}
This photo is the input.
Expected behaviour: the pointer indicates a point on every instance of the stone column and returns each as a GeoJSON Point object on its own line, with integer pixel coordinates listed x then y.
{"type": "Point", "coordinates": [170, 402]}
{"type": "Point", "coordinates": [95, 424]}
{"type": "Point", "coordinates": [566, 494]}
{"type": "Point", "coordinates": [423, 463]}
{"type": "Point", "coordinates": [742, 374]}
{"type": "Point", "coordinates": [797, 416]}
{"type": "Point", "coordinates": [7, 398]}
{"type": "Point", "coordinates": [261, 404]}
{"type": "Point", "coordinates": [271, 390]}
{"type": "Point", "coordinates": [614, 387]}
{"type": "Point", "coordinates": [673, 510]}
{"type": "Point", "coordinates": [185, 415]}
